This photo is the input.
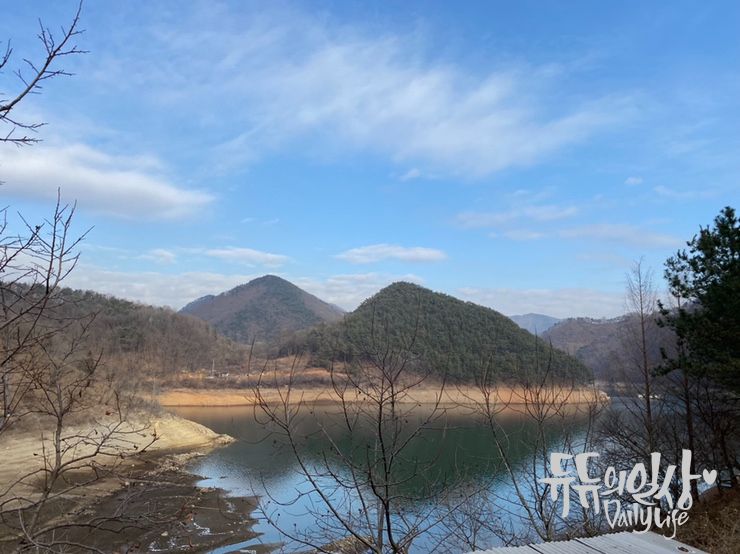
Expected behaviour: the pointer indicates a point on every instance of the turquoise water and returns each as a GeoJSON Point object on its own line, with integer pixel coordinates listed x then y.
{"type": "Point", "coordinates": [453, 455]}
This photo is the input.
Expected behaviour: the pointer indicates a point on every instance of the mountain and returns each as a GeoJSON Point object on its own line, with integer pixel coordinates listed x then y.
{"type": "Point", "coordinates": [610, 347]}
{"type": "Point", "coordinates": [136, 337]}
{"type": "Point", "coordinates": [452, 337]}
{"type": "Point", "coordinates": [266, 309]}
{"type": "Point", "coordinates": [534, 323]}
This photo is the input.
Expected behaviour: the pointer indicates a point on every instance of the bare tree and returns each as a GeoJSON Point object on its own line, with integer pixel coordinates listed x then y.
{"type": "Point", "coordinates": [90, 437]}
{"type": "Point", "coordinates": [667, 408]}
{"type": "Point", "coordinates": [650, 415]}
{"type": "Point", "coordinates": [56, 393]}
{"type": "Point", "coordinates": [32, 76]}
{"type": "Point", "coordinates": [633, 426]}
{"type": "Point", "coordinates": [53, 383]}
{"type": "Point", "coordinates": [560, 416]}
{"type": "Point", "coordinates": [33, 267]}
{"type": "Point", "coordinates": [373, 494]}
{"type": "Point", "coordinates": [641, 301]}
{"type": "Point", "coordinates": [35, 260]}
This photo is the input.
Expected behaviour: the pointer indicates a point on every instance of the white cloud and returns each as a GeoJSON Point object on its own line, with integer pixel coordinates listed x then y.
{"type": "Point", "coordinates": [372, 95]}
{"type": "Point", "coordinates": [149, 287]}
{"type": "Point", "coordinates": [117, 185]}
{"type": "Point", "coordinates": [160, 255]}
{"type": "Point", "coordinates": [512, 224]}
{"type": "Point", "coordinates": [348, 291]}
{"type": "Point", "coordinates": [632, 181]}
{"type": "Point", "coordinates": [379, 252]}
{"type": "Point", "coordinates": [561, 303]}
{"type": "Point", "coordinates": [621, 233]}
{"type": "Point", "coordinates": [286, 75]}
{"type": "Point", "coordinates": [247, 256]}
{"type": "Point", "coordinates": [177, 289]}
{"type": "Point", "coordinates": [411, 174]}
{"type": "Point", "coordinates": [194, 255]}
{"type": "Point", "coordinates": [521, 234]}
{"type": "Point", "coordinates": [539, 213]}
{"type": "Point", "coordinates": [673, 194]}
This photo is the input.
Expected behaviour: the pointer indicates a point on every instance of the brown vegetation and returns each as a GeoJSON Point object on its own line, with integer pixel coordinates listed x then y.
{"type": "Point", "coordinates": [512, 396]}
{"type": "Point", "coordinates": [266, 309]}
{"type": "Point", "coordinates": [714, 525]}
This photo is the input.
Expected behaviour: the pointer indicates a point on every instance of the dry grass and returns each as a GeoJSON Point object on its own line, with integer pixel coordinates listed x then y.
{"type": "Point", "coordinates": [714, 526]}
{"type": "Point", "coordinates": [315, 385]}
{"type": "Point", "coordinates": [425, 394]}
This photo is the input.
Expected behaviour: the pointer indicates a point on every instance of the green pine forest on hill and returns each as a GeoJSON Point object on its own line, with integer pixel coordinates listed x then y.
{"type": "Point", "coordinates": [439, 335]}
{"type": "Point", "coordinates": [442, 335]}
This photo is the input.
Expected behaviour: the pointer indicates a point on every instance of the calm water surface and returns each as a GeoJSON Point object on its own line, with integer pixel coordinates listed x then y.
{"type": "Point", "coordinates": [458, 449]}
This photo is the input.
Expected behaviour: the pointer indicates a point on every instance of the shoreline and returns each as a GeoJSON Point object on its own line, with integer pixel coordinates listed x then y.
{"type": "Point", "coordinates": [233, 397]}
{"type": "Point", "coordinates": [144, 436]}
{"type": "Point", "coordinates": [150, 480]}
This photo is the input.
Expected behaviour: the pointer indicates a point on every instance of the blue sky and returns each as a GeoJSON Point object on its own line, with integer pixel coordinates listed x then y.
{"type": "Point", "coordinates": [521, 155]}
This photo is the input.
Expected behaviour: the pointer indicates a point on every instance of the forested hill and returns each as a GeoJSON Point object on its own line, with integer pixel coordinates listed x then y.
{"type": "Point", "coordinates": [263, 310]}
{"type": "Point", "coordinates": [453, 337]}
{"type": "Point", "coordinates": [153, 340]}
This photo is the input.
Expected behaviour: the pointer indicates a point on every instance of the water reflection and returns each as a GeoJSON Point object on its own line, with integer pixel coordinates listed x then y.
{"type": "Point", "coordinates": [456, 451]}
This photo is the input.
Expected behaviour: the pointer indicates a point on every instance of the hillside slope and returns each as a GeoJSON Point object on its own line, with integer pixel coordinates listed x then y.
{"type": "Point", "coordinates": [610, 347]}
{"type": "Point", "coordinates": [264, 310]}
{"type": "Point", "coordinates": [154, 341]}
{"type": "Point", "coordinates": [452, 337]}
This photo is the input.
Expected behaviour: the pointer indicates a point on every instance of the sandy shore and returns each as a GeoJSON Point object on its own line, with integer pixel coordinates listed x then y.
{"type": "Point", "coordinates": [145, 496]}
{"type": "Point", "coordinates": [451, 395]}
{"type": "Point", "coordinates": [24, 451]}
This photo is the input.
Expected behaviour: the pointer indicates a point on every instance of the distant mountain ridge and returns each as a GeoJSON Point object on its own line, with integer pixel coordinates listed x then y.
{"type": "Point", "coordinates": [534, 323]}
{"type": "Point", "coordinates": [609, 346]}
{"type": "Point", "coordinates": [265, 309]}
{"type": "Point", "coordinates": [454, 338]}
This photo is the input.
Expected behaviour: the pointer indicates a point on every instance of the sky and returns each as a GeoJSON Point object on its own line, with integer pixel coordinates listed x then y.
{"type": "Point", "coordinates": [521, 155]}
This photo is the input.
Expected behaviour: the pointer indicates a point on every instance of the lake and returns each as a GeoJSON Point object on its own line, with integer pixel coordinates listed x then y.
{"type": "Point", "coordinates": [456, 453]}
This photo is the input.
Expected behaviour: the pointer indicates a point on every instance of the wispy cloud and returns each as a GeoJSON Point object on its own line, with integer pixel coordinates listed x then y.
{"type": "Point", "coordinates": [124, 186]}
{"type": "Point", "coordinates": [177, 289]}
{"type": "Point", "coordinates": [160, 255]}
{"type": "Point", "coordinates": [156, 288]}
{"type": "Point", "coordinates": [562, 303]}
{"type": "Point", "coordinates": [632, 181]}
{"type": "Point", "coordinates": [520, 234]}
{"type": "Point", "coordinates": [537, 213]}
{"type": "Point", "coordinates": [378, 252]}
{"type": "Point", "coordinates": [673, 194]}
{"type": "Point", "coordinates": [287, 75]}
{"type": "Point", "coordinates": [349, 290]}
{"type": "Point", "coordinates": [247, 256]}
{"type": "Point", "coordinates": [621, 233]}
{"type": "Point", "coordinates": [411, 174]}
